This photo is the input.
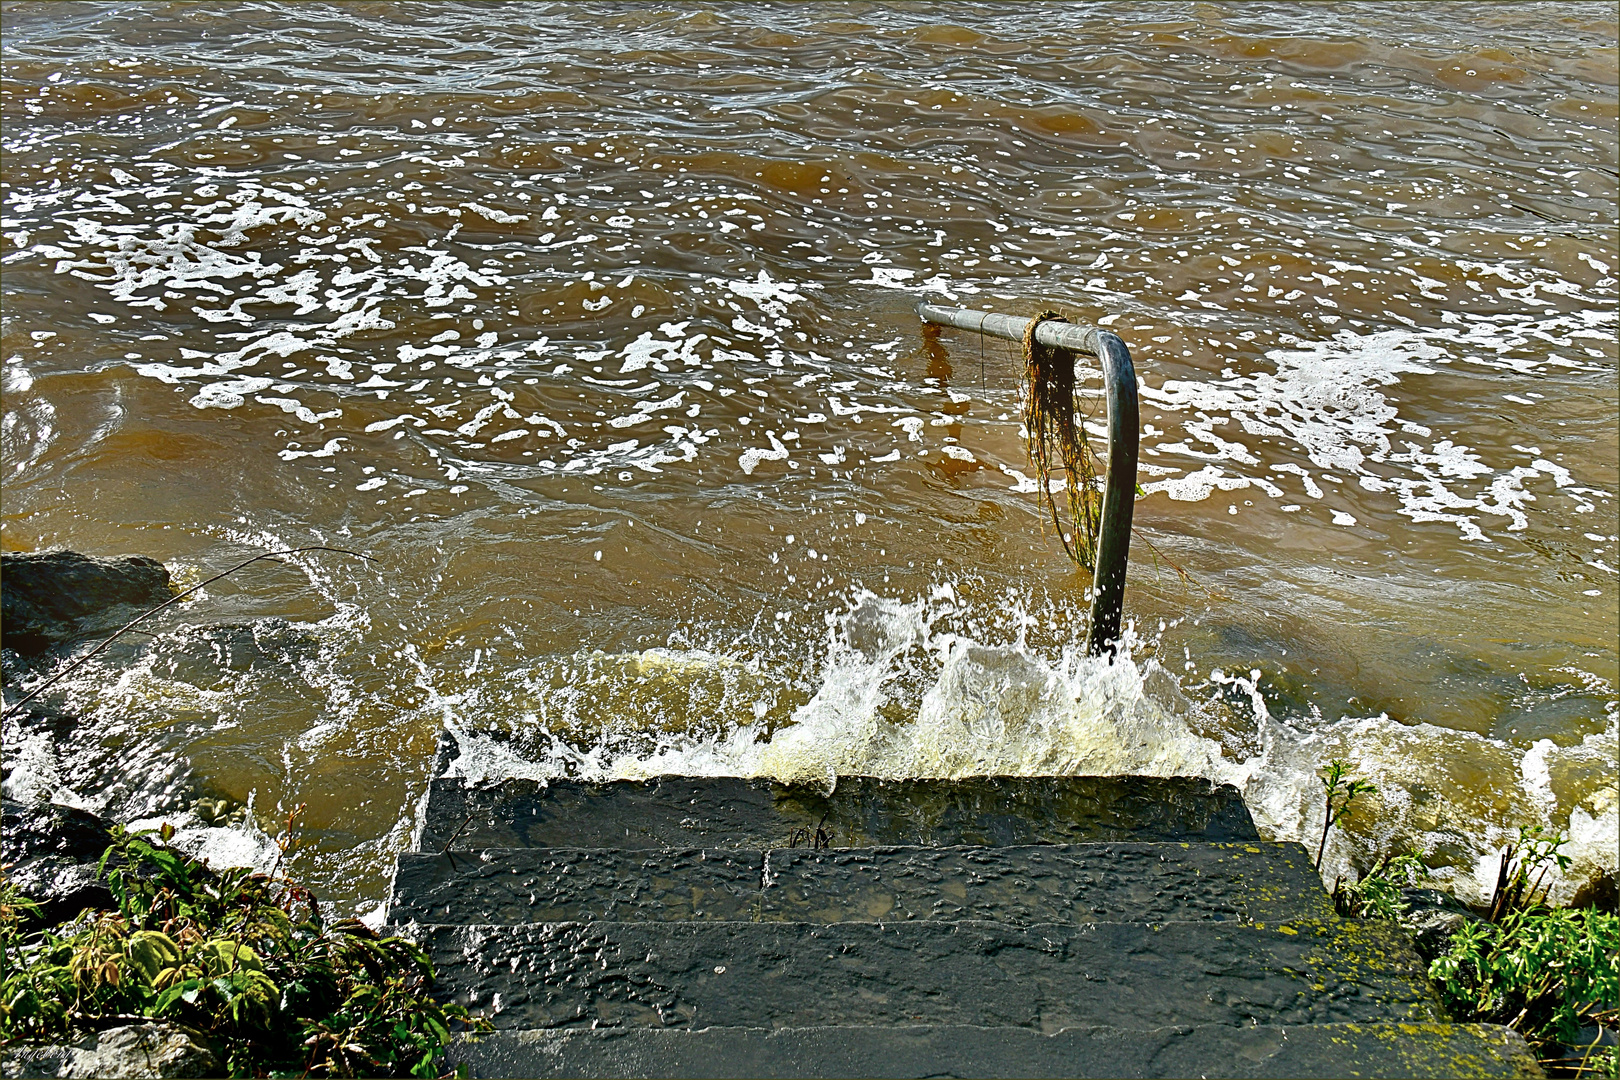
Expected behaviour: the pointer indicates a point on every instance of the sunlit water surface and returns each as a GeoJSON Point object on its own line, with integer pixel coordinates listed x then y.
{"type": "Point", "coordinates": [592, 324]}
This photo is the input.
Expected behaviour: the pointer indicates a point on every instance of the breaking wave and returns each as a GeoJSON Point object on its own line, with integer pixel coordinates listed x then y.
{"type": "Point", "coordinates": [897, 696]}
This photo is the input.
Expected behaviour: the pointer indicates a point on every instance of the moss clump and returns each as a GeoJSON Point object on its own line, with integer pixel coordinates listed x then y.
{"type": "Point", "coordinates": [245, 959]}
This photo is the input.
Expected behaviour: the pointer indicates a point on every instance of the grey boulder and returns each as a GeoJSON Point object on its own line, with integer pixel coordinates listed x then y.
{"type": "Point", "coordinates": [1433, 917]}
{"type": "Point", "coordinates": [138, 1050]}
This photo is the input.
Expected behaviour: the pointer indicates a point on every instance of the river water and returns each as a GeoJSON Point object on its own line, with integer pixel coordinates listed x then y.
{"type": "Point", "coordinates": [592, 325]}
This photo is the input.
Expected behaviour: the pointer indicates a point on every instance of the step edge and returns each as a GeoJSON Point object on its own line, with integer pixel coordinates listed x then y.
{"type": "Point", "coordinates": [1263, 846]}
{"type": "Point", "coordinates": [1289, 928]}
{"type": "Point", "coordinates": [561, 781]}
{"type": "Point", "coordinates": [964, 1042]}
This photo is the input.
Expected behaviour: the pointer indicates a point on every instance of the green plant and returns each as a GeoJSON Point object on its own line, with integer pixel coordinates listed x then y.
{"type": "Point", "coordinates": [1545, 973]}
{"type": "Point", "coordinates": [1338, 795]}
{"type": "Point", "coordinates": [246, 959]}
{"type": "Point", "coordinates": [32, 993]}
{"type": "Point", "coordinates": [1535, 852]}
{"type": "Point", "coordinates": [1377, 895]}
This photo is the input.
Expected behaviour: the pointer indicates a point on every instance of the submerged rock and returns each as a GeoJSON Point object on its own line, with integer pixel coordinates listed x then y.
{"type": "Point", "coordinates": [137, 1050]}
{"type": "Point", "coordinates": [48, 597]}
{"type": "Point", "coordinates": [206, 655]}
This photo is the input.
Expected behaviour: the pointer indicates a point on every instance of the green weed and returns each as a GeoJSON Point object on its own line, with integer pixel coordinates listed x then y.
{"type": "Point", "coordinates": [1551, 974]}
{"type": "Point", "coordinates": [1545, 973]}
{"type": "Point", "coordinates": [1338, 794]}
{"type": "Point", "coordinates": [246, 959]}
{"type": "Point", "coordinates": [1377, 895]}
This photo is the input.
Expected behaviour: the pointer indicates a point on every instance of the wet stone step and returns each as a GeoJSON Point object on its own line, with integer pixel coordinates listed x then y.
{"type": "Point", "coordinates": [1044, 977]}
{"type": "Point", "coordinates": [688, 812]}
{"type": "Point", "coordinates": [1421, 1050]}
{"type": "Point", "coordinates": [1167, 882]}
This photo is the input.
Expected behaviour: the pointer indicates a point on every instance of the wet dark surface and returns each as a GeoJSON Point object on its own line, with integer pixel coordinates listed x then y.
{"type": "Point", "coordinates": [592, 323]}
{"type": "Point", "coordinates": [1044, 977]}
{"type": "Point", "coordinates": [1326, 1051]}
{"type": "Point", "coordinates": [804, 961]}
{"type": "Point", "coordinates": [1016, 885]}
{"type": "Point", "coordinates": [861, 811]}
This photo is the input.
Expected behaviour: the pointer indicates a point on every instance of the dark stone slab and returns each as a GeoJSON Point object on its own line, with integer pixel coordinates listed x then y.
{"type": "Point", "coordinates": [687, 812]}
{"type": "Point", "coordinates": [1045, 977]}
{"type": "Point", "coordinates": [1164, 882]}
{"type": "Point", "coordinates": [532, 885]}
{"type": "Point", "coordinates": [1327, 1051]}
{"type": "Point", "coordinates": [48, 597]}
{"type": "Point", "coordinates": [1167, 882]}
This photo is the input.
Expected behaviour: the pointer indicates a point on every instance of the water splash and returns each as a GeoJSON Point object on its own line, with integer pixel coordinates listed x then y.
{"type": "Point", "coordinates": [1007, 708]}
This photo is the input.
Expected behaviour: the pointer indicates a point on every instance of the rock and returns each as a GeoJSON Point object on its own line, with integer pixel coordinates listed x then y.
{"type": "Point", "coordinates": [1601, 892]}
{"type": "Point", "coordinates": [48, 597]}
{"type": "Point", "coordinates": [1581, 1057]}
{"type": "Point", "coordinates": [1432, 931]}
{"type": "Point", "coordinates": [29, 831]}
{"type": "Point", "coordinates": [52, 851]}
{"type": "Point", "coordinates": [29, 1062]}
{"type": "Point", "coordinates": [206, 655]}
{"type": "Point", "coordinates": [62, 888]}
{"type": "Point", "coordinates": [138, 1050]}
{"type": "Point", "coordinates": [1433, 917]}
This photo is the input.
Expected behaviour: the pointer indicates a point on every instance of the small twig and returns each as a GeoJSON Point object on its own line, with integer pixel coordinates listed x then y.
{"type": "Point", "coordinates": [446, 849]}
{"type": "Point", "coordinates": [121, 631]}
{"type": "Point", "coordinates": [290, 842]}
{"type": "Point", "coordinates": [823, 839]}
{"type": "Point", "coordinates": [1156, 555]}
{"type": "Point", "coordinates": [1337, 799]}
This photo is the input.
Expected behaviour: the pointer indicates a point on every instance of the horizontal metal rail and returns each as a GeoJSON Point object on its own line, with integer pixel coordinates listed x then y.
{"type": "Point", "coordinates": [1124, 439]}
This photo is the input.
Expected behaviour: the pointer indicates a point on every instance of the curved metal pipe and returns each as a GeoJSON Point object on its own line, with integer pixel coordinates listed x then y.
{"type": "Point", "coordinates": [1124, 440]}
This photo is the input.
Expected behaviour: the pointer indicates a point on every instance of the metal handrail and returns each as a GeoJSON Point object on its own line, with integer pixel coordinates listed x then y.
{"type": "Point", "coordinates": [1124, 438]}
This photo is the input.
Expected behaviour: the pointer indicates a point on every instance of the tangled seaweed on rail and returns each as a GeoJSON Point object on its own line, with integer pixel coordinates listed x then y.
{"type": "Point", "coordinates": [1053, 428]}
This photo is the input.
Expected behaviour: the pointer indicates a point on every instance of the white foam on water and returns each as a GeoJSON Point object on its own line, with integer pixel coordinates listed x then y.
{"type": "Point", "coordinates": [336, 271]}
{"type": "Point", "coordinates": [1328, 398]}
{"type": "Point", "coordinates": [32, 772]}
{"type": "Point", "coordinates": [34, 775]}
{"type": "Point", "coordinates": [219, 846]}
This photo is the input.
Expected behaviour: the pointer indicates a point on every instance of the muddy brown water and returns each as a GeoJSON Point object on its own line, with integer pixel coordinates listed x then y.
{"type": "Point", "coordinates": [592, 324]}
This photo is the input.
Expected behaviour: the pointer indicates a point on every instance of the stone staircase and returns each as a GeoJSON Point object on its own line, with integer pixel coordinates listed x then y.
{"type": "Point", "coordinates": [998, 926]}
